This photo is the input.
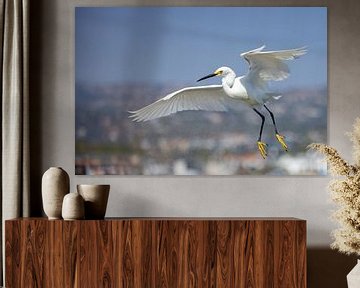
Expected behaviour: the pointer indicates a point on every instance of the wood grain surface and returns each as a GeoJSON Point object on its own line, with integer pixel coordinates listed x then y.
{"type": "Point", "coordinates": [245, 253]}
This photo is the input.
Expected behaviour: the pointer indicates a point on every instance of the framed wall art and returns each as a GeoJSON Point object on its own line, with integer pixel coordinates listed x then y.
{"type": "Point", "coordinates": [140, 109]}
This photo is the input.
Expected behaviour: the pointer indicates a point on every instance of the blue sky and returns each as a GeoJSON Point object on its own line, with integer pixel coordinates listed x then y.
{"type": "Point", "coordinates": [178, 45]}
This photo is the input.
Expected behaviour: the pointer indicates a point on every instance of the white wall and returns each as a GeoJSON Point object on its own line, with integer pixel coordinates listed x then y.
{"type": "Point", "coordinates": [303, 197]}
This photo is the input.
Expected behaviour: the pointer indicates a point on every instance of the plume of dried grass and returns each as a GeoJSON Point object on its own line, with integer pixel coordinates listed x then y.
{"type": "Point", "coordinates": [345, 192]}
{"type": "Point", "coordinates": [337, 165]}
{"type": "Point", "coordinates": [355, 139]}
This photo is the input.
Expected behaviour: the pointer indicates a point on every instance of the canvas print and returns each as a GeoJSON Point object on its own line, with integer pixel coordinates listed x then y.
{"type": "Point", "coordinates": [200, 90]}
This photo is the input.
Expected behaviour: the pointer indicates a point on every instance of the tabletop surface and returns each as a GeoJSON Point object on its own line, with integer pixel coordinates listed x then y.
{"type": "Point", "coordinates": [173, 219]}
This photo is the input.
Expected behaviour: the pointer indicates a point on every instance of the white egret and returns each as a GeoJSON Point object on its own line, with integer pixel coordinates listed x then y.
{"type": "Point", "coordinates": [250, 89]}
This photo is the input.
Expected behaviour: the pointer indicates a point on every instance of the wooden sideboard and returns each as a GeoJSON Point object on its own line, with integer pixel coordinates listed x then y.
{"type": "Point", "coordinates": [156, 252]}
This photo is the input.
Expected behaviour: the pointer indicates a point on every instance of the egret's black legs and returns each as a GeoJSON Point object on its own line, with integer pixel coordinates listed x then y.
{"type": "Point", "coordinates": [279, 137]}
{"type": "Point", "coordinates": [272, 118]}
{"type": "Point", "coordinates": [261, 145]}
{"type": "Point", "coordinates": [262, 122]}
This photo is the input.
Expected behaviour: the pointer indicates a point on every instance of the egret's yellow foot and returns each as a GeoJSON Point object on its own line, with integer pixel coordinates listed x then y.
{"type": "Point", "coordinates": [281, 140]}
{"type": "Point", "coordinates": [262, 148]}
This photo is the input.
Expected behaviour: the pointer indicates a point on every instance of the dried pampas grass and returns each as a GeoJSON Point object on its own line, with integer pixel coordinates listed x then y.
{"type": "Point", "coordinates": [345, 191]}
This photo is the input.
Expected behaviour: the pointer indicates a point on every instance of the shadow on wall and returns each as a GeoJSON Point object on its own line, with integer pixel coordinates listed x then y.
{"type": "Point", "coordinates": [328, 268]}
{"type": "Point", "coordinates": [36, 40]}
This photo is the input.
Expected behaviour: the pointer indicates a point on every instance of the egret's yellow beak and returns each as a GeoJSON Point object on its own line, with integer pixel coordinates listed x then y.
{"type": "Point", "coordinates": [216, 73]}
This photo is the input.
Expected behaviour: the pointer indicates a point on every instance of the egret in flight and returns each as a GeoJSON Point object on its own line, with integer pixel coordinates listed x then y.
{"type": "Point", "coordinates": [250, 89]}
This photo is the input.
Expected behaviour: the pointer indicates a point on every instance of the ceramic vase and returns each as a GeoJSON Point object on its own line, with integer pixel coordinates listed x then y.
{"type": "Point", "coordinates": [73, 207]}
{"type": "Point", "coordinates": [55, 185]}
{"type": "Point", "coordinates": [96, 198]}
{"type": "Point", "coordinates": [353, 278]}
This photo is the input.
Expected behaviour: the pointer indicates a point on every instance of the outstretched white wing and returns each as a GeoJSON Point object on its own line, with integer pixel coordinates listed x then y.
{"type": "Point", "coordinates": [270, 65]}
{"type": "Point", "coordinates": [209, 98]}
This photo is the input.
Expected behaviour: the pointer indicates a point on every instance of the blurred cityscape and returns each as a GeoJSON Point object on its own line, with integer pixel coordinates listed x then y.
{"type": "Point", "coordinates": [108, 142]}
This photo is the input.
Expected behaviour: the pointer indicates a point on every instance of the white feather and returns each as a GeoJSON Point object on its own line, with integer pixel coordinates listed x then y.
{"type": "Point", "coordinates": [270, 65]}
{"type": "Point", "coordinates": [209, 98]}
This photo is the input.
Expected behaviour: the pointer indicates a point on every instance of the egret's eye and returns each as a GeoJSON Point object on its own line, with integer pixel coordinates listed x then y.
{"type": "Point", "coordinates": [219, 72]}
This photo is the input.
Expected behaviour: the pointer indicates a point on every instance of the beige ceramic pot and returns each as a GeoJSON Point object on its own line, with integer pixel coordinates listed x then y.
{"type": "Point", "coordinates": [55, 185]}
{"type": "Point", "coordinates": [96, 198]}
{"type": "Point", "coordinates": [73, 207]}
